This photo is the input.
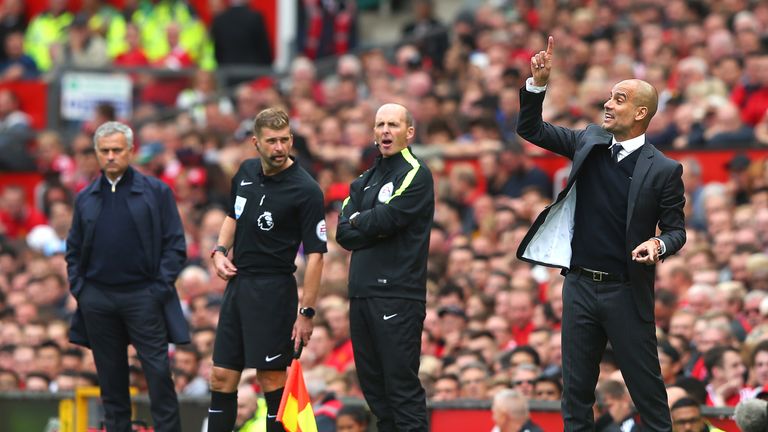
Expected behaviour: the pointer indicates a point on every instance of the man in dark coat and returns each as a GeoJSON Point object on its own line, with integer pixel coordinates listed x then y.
{"type": "Point", "coordinates": [124, 251]}
{"type": "Point", "coordinates": [602, 231]}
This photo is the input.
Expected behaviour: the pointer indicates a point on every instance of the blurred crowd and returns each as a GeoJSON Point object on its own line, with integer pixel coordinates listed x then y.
{"type": "Point", "coordinates": [492, 321]}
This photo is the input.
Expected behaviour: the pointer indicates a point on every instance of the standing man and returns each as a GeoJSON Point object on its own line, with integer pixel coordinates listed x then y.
{"type": "Point", "coordinates": [124, 251]}
{"type": "Point", "coordinates": [275, 206]}
{"type": "Point", "coordinates": [386, 223]}
{"type": "Point", "coordinates": [605, 241]}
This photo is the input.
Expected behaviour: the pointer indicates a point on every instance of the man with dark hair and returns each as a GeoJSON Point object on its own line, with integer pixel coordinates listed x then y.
{"type": "Point", "coordinates": [275, 206]}
{"type": "Point", "coordinates": [547, 388]}
{"type": "Point", "coordinates": [446, 387]}
{"type": "Point", "coordinates": [686, 417]}
{"type": "Point", "coordinates": [725, 370]}
{"type": "Point", "coordinates": [187, 358]}
{"type": "Point", "coordinates": [601, 231]}
{"type": "Point", "coordinates": [669, 360]}
{"type": "Point", "coordinates": [124, 251]}
{"type": "Point", "coordinates": [386, 223]}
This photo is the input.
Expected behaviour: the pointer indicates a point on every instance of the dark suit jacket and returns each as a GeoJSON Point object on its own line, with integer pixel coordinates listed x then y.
{"type": "Point", "coordinates": [154, 212]}
{"type": "Point", "coordinates": [655, 198]}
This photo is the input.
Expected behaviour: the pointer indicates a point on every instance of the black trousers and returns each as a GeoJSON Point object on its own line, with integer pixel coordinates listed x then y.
{"type": "Point", "coordinates": [114, 318]}
{"type": "Point", "coordinates": [386, 340]}
{"type": "Point", "coordinates": [594, 313]}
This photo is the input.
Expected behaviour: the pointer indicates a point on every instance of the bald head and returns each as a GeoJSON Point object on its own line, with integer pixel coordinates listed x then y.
{"type": "Point", "coordinates": [397, 108]}
{"type": "Point", "coordinates": [645, 96]}
{"type": "Point", "coordinates": [629, 111]}
{"type": "Point", "coordinates": [393, 128]}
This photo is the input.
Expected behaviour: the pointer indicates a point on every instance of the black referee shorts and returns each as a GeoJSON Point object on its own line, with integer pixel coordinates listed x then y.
{"type": "Point", "coordinates": [255, 323]}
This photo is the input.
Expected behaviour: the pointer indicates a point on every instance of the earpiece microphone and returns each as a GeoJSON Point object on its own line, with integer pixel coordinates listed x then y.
{"type": "Point", "coordinates": [375, 143]}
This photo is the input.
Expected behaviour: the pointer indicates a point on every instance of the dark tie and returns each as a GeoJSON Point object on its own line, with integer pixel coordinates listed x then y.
{"type": "Point", "coordinates": [615, 149]}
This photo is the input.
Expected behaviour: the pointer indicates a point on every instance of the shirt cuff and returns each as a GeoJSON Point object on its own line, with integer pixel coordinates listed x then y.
{"type": "Point", "coordinates": [534, 88]}
{"type": "Point", "coordinates": [662, 246]}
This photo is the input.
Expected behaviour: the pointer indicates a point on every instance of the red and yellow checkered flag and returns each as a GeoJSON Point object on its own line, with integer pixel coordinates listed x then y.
{"type": "Point", "coordinates": [295, 411]}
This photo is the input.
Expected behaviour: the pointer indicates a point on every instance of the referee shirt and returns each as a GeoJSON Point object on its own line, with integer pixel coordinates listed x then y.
{"type": "Point", "coordinates": [274, 215]}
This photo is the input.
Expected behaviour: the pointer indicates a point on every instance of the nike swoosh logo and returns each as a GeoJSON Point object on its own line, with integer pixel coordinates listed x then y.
{"type": "Point", "coordinates": [369, 186]}
{"type": "Point", "coordinates": [387, 317]}
{"type": "Point", "coordinates": [269, 416]}
{"type": "Point", "coordinates": [215, 411]}
{"type": "Point", "coordinates": [245, 183]}
{"type": "Point", "coordinates": [269, 359]}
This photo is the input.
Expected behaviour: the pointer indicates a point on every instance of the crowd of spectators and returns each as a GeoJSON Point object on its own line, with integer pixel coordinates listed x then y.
{"type": "Point", "coordinates": [492, 321]}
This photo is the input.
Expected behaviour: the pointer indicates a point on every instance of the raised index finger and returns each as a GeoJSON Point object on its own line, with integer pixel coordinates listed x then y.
{"type": "Point", "coordinates": [550, 45]}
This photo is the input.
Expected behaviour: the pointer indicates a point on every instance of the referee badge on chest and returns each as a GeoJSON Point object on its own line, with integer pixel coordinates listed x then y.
{"type": "Point", "coordinates": [265, 221]}
{"type": "Point", "coordinates": [239, 206]}
{"type": "Point", "coordinates": [386, 192]}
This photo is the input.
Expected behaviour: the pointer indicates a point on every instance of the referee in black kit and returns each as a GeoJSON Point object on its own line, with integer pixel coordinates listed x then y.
{"type": "Point", "coordinates": [386, 222]}
{"type": "Point", "coordinates": [275, 206]}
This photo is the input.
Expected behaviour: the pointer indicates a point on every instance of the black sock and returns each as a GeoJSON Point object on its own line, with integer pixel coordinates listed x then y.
{"type": "Point", "coordinates": [223, 412]}
{"type": "Point", "coordinates": [273, 405]}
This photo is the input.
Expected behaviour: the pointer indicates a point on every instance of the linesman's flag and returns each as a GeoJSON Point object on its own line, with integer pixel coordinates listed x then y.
{"type": "Point", "coordinates": [295, 411]}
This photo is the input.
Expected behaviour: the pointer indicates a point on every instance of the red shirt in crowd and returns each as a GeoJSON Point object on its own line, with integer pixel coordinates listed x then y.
{"type": "Point", "coordinates": [17, 228]}
{"type": "Point", "coordinates": [520, 334]}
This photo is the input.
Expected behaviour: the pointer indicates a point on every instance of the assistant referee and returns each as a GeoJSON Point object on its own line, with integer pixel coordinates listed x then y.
{"type": "Point", "coordinates": [386, 222]}
{"type": "Point", "coordinates": [275, 206]}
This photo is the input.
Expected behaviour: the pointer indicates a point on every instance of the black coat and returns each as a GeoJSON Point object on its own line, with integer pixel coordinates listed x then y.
{"type": "Point", "coordinates": [154, 212]}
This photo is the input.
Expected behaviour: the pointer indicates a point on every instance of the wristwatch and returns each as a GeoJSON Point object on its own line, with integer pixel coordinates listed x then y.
{"type": "Point", "coordinates": [307, 312]}
{"type": "Point", "coordinates": [218, 248]}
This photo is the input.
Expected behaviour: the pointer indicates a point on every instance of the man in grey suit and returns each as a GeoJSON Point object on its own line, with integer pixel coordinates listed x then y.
{"type": "Point", "coordinates": [606, 242]}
